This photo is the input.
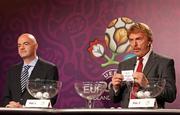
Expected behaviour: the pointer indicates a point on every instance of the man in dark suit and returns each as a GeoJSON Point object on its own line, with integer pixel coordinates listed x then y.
{"type": "Point", "coordinates": [14, 95]}
{"type": "Point", "coordinates": [154, 66]}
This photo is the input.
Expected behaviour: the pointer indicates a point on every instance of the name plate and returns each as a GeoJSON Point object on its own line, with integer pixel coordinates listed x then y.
{"type": "Point", "coordinates": [35, 103]}
{"type": "Point", "coordinates": [142, 103]}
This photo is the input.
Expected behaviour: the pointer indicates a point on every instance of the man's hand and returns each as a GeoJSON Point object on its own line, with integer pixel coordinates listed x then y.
{"type": "Point", "coordinates": [140, 78]}
{"type": "Point", "coordinates": [13, 104]}
{"type": "Point", "coordinates": [116, 80]}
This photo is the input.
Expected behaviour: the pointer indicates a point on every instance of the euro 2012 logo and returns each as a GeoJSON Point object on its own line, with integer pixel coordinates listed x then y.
{"type": "Point", "coordinates": [116, 40]}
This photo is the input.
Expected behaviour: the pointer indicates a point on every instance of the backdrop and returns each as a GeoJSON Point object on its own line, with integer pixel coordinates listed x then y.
{"type": "Point", "coordinates": [65, 28]}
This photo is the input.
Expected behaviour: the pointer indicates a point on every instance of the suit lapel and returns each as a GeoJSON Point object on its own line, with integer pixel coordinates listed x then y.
{"type": "Point", "coordinates": [151, 61]}
{"type": "Point", "coordinates": [133, 63]}
{"type": "Point", "coordinates": [18, 77]}
{"type": "Point", "coordinates": [37, 71]}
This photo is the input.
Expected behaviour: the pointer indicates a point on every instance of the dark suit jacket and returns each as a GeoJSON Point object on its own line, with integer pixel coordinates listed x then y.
{"type": "Point", "coordinates": [156, 66]}
{"type": "Point", "coordinates": [12, 91]}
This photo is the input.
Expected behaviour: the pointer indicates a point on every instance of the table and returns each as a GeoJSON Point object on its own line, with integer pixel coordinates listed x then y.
{"type": "Point", "coordinates": [39, 111]}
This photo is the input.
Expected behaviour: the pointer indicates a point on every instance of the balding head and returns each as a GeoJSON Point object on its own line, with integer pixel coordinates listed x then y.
{"type": "Point", "coordinates": [27, 47]}
{"type": "Point", "coordinates": [29, 36]}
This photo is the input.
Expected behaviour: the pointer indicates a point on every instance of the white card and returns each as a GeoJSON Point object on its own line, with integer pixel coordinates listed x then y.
{"type": "Point", "coordinates": [35, 103]}
{"type": "Point", "coordinates": [127, 74]}
{"type": "Point", "coordinates": [142, 103]}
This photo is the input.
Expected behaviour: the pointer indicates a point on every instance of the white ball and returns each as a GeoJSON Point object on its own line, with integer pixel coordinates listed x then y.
{"type": "Point", "coordinates": [38, 95]}
{"type": "Point", "coordinates": [147, 94]}
{"type": "Point", "coordinates": [46, 95]}
{"type": "Point", "coordinates": [140, 94]}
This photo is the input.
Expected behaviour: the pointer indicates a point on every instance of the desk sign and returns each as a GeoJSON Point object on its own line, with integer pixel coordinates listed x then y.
{"type": "Point", "coordinates": [127, 74]}
{"type": "Point", "coordinates": [35, 103]}
{"type": "Point", "coordinates": [142, 103]}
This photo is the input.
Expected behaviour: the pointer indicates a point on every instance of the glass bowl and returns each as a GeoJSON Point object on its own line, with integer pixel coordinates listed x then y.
{"type": "Point", "coordinates": [43, 88]}
{"type": "Point", "coordinates": [152, 90]}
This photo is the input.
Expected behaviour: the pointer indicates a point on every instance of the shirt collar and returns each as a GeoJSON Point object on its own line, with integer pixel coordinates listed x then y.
{"type": "Point", "coordinates": [33, 62]}
{"type": "Point", "coordinates": [145, 57]}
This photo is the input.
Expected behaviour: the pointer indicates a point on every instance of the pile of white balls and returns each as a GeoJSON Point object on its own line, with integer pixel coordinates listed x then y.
{"type": "Point", "coordinates": [42, 95]}
{"type": "Point", "coordinates": [141, 94]}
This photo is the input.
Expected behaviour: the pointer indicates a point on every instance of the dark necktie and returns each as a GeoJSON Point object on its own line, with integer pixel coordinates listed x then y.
{"type": "Point", "coordinates": [24, 77]}
{"type": "Point", "coordinates": [136, 86]}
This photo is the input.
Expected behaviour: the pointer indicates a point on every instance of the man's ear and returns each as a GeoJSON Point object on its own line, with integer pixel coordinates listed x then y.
{"type": "Point", "coordinates": [36, 46]}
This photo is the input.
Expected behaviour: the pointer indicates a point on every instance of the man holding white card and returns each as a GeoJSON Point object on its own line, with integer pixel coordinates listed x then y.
{"type": "Point", "coordinates": [146, 64]}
